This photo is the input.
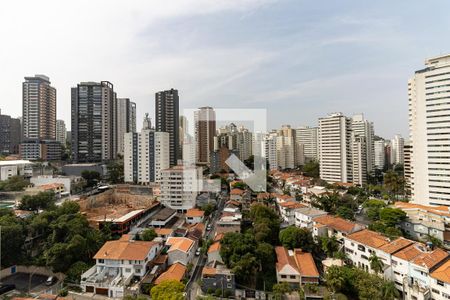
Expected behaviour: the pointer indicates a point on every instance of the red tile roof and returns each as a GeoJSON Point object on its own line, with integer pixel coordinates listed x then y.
{"type": "Point", "coordinates": [337, 223]}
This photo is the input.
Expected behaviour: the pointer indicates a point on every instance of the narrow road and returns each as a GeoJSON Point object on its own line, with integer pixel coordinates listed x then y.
{"type": "Point", "coordinates": [192, 287]}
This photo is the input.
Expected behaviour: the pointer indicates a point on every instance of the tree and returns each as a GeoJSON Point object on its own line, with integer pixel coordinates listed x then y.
{"type": "Point", "coordinates": [239, 185]}
{"type": "Point", "coordinates": [41, 201]}
{"type": "Point", "coordinates": [434, 240]}
{"type": "Point", "coordinates": [375, 263]}
{"type": "Point", "coordinates": [13, 184]}
{"type": "Point", "coordinates": [394, 184]}
{"type": "Point", "coordinates": [13, 239]}
{"type": "Point", "coordinates": [246, 267]}
{"type": "Point", "coordinates": [280, 289]}
{"type": "Point", "coordinates": [293, 237]}
{"type": "Point", "coordinates": [91, 177]}
{"type": "Point", "coordinates": [148, 234]}
{"type": "Point", "coordinates": [335, 278]}
{"type": "Point", "coordinates": [115, 172]}
{"type": "Point", "coordinates": [208, 209]}
{"type": "Point", "coordinates": [330, 245]}
{"type": "Point", "coordinates": [392, 216]}
{"type": "Point", "coordinates": [312, 169]}
{"type": "Point", "coordinates": [373, 208]}
{"type": "Point", "coordinates": [168, 290]}
{"type": "Point", "coordinates": [389, 291]}
{"type": "Point", "coordinates": [266, 223]}
{"type": "Point", "coordinates": [265, 254]}
{"type": "Point", "coordinates": [346, 213]}
{"type": "Point", "coordinates": [75, 271]}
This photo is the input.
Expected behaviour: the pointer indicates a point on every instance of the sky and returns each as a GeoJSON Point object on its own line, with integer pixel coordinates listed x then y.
{"type": "Point", "coordinates": [300, 60]}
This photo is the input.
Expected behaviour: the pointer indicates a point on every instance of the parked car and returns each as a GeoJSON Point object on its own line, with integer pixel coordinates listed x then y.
{"type": "Point", "coordinates": [50, 280]}
{"type": "Point", "coordinates": [197, 253]}
{"type": "Point", "coordinates": [4, 288]}
{"type": "Point", "coordinates": [208, 228]}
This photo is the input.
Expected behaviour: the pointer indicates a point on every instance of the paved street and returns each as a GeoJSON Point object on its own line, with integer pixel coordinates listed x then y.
{"type": "Point", "coordinates": [193, 288]}
{"type": "Point", "coordinates": [24, 284]}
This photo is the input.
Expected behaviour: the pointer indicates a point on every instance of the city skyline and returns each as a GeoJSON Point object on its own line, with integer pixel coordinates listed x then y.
{"type": "Point", "coordinates": [318, 59]}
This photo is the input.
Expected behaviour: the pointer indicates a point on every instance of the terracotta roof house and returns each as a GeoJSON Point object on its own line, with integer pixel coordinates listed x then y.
{"type": "Point", "coordinates": [440, 281]}
{"type": "Point", "coordinates": [214, 252]}
{"type": "Point", "coordinates": [181, 249]}
{"type": "Point", "coordinates": [328, 225]}
{"type": "Point", "coordinates": [295, 267]}
{"type": "Point", "coordinates": [176, 272]}
{"type": "Point", "coordinates": [194, 216]}
{"type": "Point", "coordinates": [117, 262]}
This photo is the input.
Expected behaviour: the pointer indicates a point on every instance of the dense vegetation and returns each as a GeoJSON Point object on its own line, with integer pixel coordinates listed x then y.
{"type": "Point", "coordinates": [13, 184]}
{"type": "Point", "coordinates": [61, 236]}
{"type": "Point", "coordinates": [251, 254]}
{"type": "Point", "coordinates": [359, 284]}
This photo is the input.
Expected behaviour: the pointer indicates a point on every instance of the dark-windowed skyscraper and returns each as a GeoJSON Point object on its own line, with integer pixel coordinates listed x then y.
{"type": "Point", "coordinates": [205, 130]}
{"type": "Point", "coordinates": [94, 126]}
{"type": "Point", "coordinates": [9, 135]}
{"type": "Point", "coordinates": [167, 120]}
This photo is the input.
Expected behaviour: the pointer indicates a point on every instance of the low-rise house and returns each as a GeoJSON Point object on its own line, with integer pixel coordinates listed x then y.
{"type": "Point", "coordinates": [181, 250]}
{"type": "Point", "coordinates": [117, 263]}
{"type": "Point", "coordinates": [328, 225]}
{"type": "Point", "coordinates": [295, 267]}
{"type": "Point", "coordinates": [214, 252]}
{"type": "Point", "coordinates": [304, 217]}
{"type": "Point", "coordinates": [57, 188]}
{"type": "Point", "coordinates": [280, 198]}
{"type": "Point", "coordinates": [194, 216]}
{"type": "Point", "coordinates": [425, 220]}
{"type": "Point", "coordinates": [229, 222]}
{"type": "Point", "coordinates": [263, 197]}
{"type": "Point", "coordinates": [440, 282]}
{"type": "Point", "coordinates": [412, 267]}
{"type": "Point", "coordinates": [312, 192]}
{"type": "Point", "coordinates": [195, 232]}
{"type": "Point", "coordinates": [216, 276]}
{"type": "Point", "coordinates": [236, 194]}
{"type": "Point", "coordinates": [232, 206]}
{"type": "Point", "coordinates": [164, 233]}
{"type": "Point", "coordinates": [330, 262]}
{"type": "Point", "coordinates": [359, 246]}
{"type": "Point", "coordinates": [177, 272]}
{"type": "Point", "coordinates": [288, 209]}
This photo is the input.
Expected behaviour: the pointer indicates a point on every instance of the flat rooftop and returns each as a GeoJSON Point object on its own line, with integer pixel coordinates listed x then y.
{"type": "Point", "coordinates": [163, 214]}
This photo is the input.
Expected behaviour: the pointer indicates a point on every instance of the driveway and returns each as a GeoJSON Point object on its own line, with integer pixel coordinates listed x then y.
{"type": "Point", "coordinates": [23, 283]}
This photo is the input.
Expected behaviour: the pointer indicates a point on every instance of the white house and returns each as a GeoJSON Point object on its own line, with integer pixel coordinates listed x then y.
{"type": "Point", "coordinates": [328, 225]}
{"type": "Point", "coordinates": [411, 270]}
{"type": "Point", "coordinates": [194, 216]}
{"type": "Point", "coordinates": [304, 216]}
{"type": "Point", "coordinates": [117, 262]}
{"type": "Point", "coordinates": [295, 267]}
{"type": "Point", "coordinates": [181, 250]}
{"type": "Point", "coordinates": [440, 282]}
{"type": "Point", "coordinates": [288, 209]}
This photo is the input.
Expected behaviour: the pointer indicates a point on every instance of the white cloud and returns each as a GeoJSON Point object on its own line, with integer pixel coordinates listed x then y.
{"type": "Point", "coordinates": [107, 40]}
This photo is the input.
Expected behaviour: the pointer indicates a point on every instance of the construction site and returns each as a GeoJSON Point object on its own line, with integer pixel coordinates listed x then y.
{"type": "Point", "coordinates": [120, 207]}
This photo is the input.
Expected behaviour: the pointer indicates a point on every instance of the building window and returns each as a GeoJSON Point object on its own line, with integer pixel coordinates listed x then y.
{"type": "Point", "coordinates": [101, 261]}
{"type": "Point", "coordinates": [292, 276]}
{"type": "Point", "coordinates": [283, 276]}
{"type": "Point", "coordinates": [441, 283]}
{"type": "Point", "coordinates": [435, 291]}
{"type": "Point", "coordinates": [361, 248]}
{"type": "Point", "coordinates": [127, 270]}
